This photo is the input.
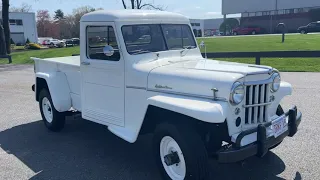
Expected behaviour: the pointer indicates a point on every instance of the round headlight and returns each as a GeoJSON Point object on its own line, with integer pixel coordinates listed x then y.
{"type": "Point", "coordinates": [237, 93]}
{"type": "Point", "coordinates": [276, 80]}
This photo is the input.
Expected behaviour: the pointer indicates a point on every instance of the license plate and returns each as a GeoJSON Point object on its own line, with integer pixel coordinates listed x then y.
{"type": "Point", "coordinates": [279, 126]}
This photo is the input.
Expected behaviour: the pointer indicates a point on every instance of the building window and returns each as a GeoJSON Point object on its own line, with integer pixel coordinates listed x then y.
{"type": "Point", "coordinates": [195, 24]}
{"type": "Point", "coordinates": [258, 13]}
{"type": "Point", "coordinates": [265, 13]}
{"type": "Point", "coordinates": [252, 14]}
{"type": "Point", "coordinates": [280, 11]}
{"type": "Point", "coordinates": [273, 12]}
{"type": "Point", "coordinates": [17, 22]}
{"type": "Point", "coordinates": [298, 10]}
{"type": "Point", "coordinates": [12, 22]}
{"type": "Point", "coordinates": [306, 9]}
{"type": "Point", "coordinates": [245, 15]}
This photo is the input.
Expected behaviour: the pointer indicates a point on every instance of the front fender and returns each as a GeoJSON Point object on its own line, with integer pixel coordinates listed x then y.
{"type": "Point", "coordinates": [59, 89]}
{"type": "Point", "coordinates": [285, 90]}
{"type": "Point", "coordinates": [202, 109]}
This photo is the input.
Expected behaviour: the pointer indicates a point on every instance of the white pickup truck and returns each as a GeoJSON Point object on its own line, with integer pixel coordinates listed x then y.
{"type": "Point", "coordinates": [142, 72]}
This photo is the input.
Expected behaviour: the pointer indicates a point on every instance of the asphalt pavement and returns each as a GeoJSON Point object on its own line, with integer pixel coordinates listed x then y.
{"type": "Point", "coordinates": [85, 150]}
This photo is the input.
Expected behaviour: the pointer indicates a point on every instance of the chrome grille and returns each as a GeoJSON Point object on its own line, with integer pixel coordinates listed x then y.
{"type": "Point", "coordinates": [256, 103]}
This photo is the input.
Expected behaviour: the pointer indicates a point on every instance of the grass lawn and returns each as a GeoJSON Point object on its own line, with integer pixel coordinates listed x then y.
{"type": "Point", "coordinates": [270, 43]}
{"type": "Point", "coordinates": [223, 44]}
{"type": "Point", "coordinates": [23, 57]}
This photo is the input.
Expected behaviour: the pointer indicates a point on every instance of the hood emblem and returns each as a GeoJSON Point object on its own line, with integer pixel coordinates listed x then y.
{"type": "Point", "coordinates": [162, 87]}
{"type": "Point", "coordinates": [214, 90]}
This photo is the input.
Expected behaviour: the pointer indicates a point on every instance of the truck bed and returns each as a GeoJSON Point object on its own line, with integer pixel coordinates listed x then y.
{"type": "Point", "coordinates": [68, 60]}
{"type": "Point", "coordinates": [70, 66]}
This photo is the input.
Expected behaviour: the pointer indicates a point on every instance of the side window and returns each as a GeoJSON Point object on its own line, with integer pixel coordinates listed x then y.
{"type": "Point", "coordinates": [97, 38]}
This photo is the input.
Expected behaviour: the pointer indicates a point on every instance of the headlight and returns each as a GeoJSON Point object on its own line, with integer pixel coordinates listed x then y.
{"type": "Point", "coordinates": [237, 93]}
{"type": "Point", "coordinates": [275, 82]}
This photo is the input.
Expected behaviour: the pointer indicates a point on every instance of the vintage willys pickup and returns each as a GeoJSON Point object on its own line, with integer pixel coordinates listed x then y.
{"type": "Point", "coordinates": [142, 72]}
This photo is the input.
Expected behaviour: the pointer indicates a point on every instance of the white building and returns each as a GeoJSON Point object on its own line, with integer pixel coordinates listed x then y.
{"type": "Point", "coordinates": [23, 26]}
{"type": "Point", "coordinates": [197, 27]}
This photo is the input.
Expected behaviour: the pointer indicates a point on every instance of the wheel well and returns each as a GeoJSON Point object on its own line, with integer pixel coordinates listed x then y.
{"type": "Point", "coordinates": [40, 84]}
{"type": "Point", "coordinates": [156, 115]}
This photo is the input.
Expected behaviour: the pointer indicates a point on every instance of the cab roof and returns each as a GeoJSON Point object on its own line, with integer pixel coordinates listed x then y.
{"type": "Point", "coordinates": [133, 15]}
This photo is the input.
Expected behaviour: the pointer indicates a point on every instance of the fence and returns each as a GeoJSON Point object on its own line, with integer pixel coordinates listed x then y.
{"type": "Point", "coordinates": [265, 54]}
{"type": "Point", "coordinates": [6, 57]}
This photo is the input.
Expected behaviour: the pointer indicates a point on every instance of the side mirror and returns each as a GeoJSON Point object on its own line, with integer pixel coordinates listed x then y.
{"type": "Point", "coordinates": [108, 50]}
{"type": "Point", "coordinates": [202, 44]}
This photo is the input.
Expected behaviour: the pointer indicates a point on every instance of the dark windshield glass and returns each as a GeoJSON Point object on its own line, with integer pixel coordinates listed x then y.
{"type": "Point", "coordinates": [178, 36]}
{"type": "Point", "coordinates": [154, 38]}
{"type": "Point", "coordinates": [143, 38]}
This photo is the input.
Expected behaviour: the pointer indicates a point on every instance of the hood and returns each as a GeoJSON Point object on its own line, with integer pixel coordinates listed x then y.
{"type": "Point", "coordinates": [302, 27]}
{"type": "Point", "coordinates": [198, 78]}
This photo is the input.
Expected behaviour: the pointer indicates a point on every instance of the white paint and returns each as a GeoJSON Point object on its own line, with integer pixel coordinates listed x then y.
{"type": "Point", "coordinates": [118, 93]}
{"type": "Point", "coordinates": [29, 27]}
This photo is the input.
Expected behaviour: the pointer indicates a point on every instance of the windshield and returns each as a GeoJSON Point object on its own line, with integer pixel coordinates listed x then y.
{"type": "Point", "coordinates": [154, 38]}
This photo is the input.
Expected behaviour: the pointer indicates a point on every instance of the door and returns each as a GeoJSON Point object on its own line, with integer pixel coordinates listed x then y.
{"type": "Point", "coordinates": [318, 27]}
{"type": "Point", "coordinates": [312, 27]}
{"type": "Point", "coordinates": [102, 79]}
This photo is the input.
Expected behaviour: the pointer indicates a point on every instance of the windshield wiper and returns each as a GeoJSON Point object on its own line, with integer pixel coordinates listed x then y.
{"type": "Point", "coordinates": [187, 49]}
{"type": "Point", "coordinates": [140, 52]}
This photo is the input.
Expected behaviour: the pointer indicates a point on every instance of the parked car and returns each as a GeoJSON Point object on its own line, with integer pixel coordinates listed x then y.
{"type": "Point", "coordinates": [54, 43]}
{"type": "Point", "coordinates": [69, 42]}
{"type": "Point", "coordinates": [311, 27]}
{"type": "Point", "coordinates": [247, 30]}
{"type": "Point", "coordinates": [193, 106]}
{"type": "Point", "coordinates": [76, 41]}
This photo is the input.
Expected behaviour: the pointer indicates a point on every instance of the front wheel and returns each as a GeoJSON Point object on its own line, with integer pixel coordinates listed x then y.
{"type": "Point", "coordinates": [303, 32]}
{"type": "Point", "coordinates": [52, 119]}
{"type": "Point", "coordinates": [253, 32]}
{"type": "Point", "coordinates": [180, 153]}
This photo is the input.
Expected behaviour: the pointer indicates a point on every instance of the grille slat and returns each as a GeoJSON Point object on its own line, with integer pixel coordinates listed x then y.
{"type": "Point", "coordinates": [256, 94]}
{"type": "Point", "coordinates": [250, 102]}
{"type": "Point", "coordinates": [256, 101]}
{"type": "Point", "coordinates": [262, 101]}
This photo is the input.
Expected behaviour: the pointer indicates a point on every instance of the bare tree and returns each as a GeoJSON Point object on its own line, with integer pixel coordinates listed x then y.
{"type": "Point", "coordinates": [140, 4]}
{"type": "Point", "coordinates": [23, 8]}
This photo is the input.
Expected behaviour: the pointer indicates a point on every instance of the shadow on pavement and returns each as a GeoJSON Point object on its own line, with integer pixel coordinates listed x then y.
{"type": "Point", "coordinates": [85, 150]}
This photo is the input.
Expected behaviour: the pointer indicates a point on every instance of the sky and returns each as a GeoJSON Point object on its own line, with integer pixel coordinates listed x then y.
{"type": "Point", "coordinates": [196, 9]}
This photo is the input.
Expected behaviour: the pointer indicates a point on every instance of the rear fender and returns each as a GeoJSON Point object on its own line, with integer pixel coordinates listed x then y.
{"type": "Point", "coordinates": [202, 109]}
{"type": "Point", "coordinates": [59, 89]}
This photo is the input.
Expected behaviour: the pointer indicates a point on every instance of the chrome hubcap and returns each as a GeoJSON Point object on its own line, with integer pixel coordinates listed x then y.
{"type": "Point", "coordinates": [172, 158]}
{"type": "Point", "coordinates": [47, 110]}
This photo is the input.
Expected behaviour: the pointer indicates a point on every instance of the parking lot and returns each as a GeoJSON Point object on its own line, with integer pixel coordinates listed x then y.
{"type": "Point", "coordinates": [85, 150]}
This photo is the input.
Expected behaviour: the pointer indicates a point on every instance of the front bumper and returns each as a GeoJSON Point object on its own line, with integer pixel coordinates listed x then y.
{"type": "Point", "coordinates": [237, 153]}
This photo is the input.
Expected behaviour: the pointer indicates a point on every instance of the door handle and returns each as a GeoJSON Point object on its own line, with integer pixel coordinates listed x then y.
{"type": "Point", "coordinates": [85, 63]}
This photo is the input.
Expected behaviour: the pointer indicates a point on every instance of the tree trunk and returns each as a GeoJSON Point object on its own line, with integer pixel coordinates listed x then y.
{"type": "Point", "coordinates": [3, 48]}
{"type": "Point", "coordinates": [5, 18]}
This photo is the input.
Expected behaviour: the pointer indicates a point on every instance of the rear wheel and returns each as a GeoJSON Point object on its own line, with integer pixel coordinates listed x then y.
{"type": "Point", "coordinates": [303, 32]}
{"type": "Point", "coordinates": [235, 33]}
{"type": "Point", "coordinates": [180, 153]}
{"type": "Point", "coordinates": [253, 32]}
{"type": "Point", "coordinates": [52, 119]}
